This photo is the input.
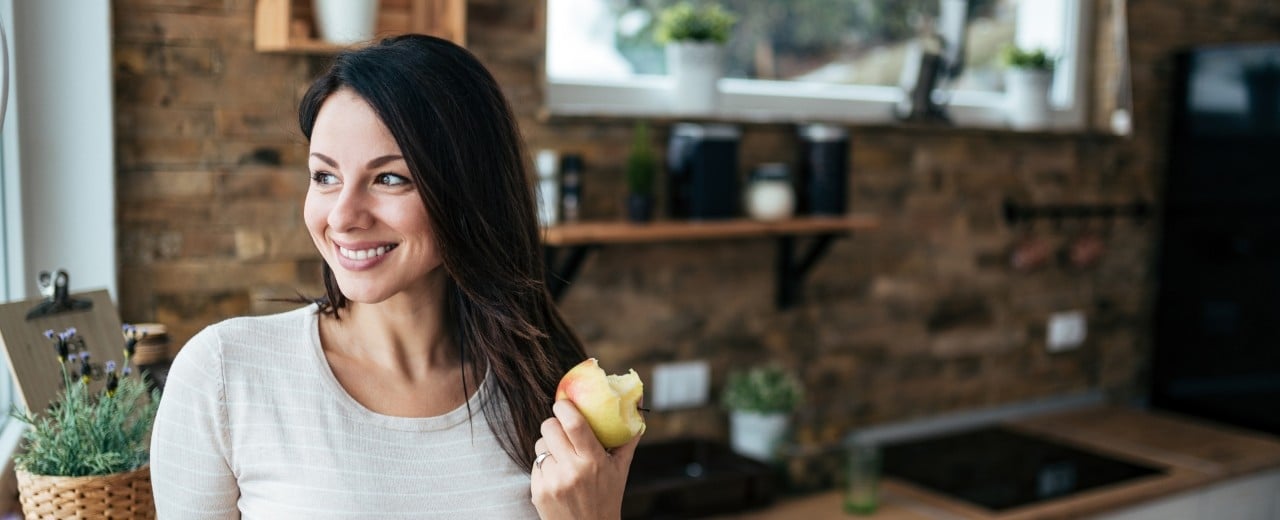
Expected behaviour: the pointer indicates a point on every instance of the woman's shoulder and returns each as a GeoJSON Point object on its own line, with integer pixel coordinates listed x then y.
{"type": "Point", "coordinates": [293, 322]}
{"type": "Point", "coordinates": [245, 335]}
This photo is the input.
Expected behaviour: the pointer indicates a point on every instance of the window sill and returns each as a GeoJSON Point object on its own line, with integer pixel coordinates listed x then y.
{"type": "Point", "coordinates": [561, 117]}
{"type": "Point", "coordinates": [757, 102]}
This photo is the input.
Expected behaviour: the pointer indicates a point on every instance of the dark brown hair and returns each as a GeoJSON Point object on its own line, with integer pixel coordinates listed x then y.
{"type": "Point", "coordinates": [460, 141]}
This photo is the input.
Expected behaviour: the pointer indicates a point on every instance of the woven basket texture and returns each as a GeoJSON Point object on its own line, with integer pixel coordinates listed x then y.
{"type": "Point", "coordinates": [116, 496]}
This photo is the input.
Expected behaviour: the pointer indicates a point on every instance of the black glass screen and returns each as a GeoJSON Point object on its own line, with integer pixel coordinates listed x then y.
{"type": "Point", "coordinates": [1000, 469]}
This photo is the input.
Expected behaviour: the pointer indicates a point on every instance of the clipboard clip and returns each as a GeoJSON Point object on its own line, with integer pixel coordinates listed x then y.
{"type": "Point", "coordinates": [57, 298]}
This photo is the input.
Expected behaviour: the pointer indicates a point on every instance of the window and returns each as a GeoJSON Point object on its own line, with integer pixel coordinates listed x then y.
{"type": "Point", "coordinates": [795, 60]}
{"type": "Point", "coordinates": [54, 109]}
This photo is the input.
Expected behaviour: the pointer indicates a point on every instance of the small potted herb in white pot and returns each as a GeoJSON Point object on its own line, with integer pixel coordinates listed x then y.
{"type": "Point", "coordinates": [1028, 77]}
{"type": "Point", "coordinates": [695, 40]}
{"type": "Point", "coordinates": [760, 401]}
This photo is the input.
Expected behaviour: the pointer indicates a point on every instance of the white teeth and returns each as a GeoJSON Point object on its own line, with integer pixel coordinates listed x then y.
{"type": "Point", "coordinates": [364, 254]}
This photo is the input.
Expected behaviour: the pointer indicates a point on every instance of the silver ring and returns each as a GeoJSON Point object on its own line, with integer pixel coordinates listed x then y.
{"type": "Point", "coordinates": [537, 462]}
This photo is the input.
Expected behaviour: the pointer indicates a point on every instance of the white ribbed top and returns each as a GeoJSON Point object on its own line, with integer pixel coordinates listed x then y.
{"type": "Point", "coordinates": [254, 424]}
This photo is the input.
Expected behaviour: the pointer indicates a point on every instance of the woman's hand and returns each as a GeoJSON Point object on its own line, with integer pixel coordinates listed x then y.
{"type": "Point", "coordinates": [579, 479]}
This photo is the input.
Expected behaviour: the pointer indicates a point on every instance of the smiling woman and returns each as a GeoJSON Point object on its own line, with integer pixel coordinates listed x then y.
{"type": "Point", "coordinates": [421, 382]}
{"type": "Point", "coordinates": [810, 59]}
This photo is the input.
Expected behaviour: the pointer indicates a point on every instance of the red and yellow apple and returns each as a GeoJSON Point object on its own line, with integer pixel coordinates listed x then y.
{"type": "Point", "coordinates": [610, 403]}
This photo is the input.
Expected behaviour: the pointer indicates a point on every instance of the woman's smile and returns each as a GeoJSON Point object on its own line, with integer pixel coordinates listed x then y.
{"type": "Point", "coordinates": [358, 257]}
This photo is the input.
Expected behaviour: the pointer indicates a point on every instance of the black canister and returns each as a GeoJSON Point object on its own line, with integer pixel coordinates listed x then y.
{"type": "Point", "coordinates": [822, 180]}
{"type": "Point", "coordinates": [702, 169]}
{"type": "Point", "coordinates": [571, 187]}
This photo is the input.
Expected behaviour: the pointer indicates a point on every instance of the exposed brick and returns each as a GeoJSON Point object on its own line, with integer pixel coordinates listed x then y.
{"type": "Point", "coordinates": [195, 59]}
{"type": "Point", "coordinates": [217, 275]}
{"type": "Point", "coordinates": [167, 152]}
{"type": "Point", "coordinates": [183, 27]}
{"type": "Point", "coordinates": [258, 182]}
{"type": "Point", "coordinates": [274, 120]}
{"type": "Point", "coordinates": [141, 186]}
{"type": "Point", "coordinates": [164, 122]}
{"type": "Point", "coordinates": [258, 213]}
{"type": "Point", "coordinates": [262, 243]}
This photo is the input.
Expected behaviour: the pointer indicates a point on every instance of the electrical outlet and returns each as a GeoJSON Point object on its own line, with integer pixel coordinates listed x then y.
{"type": "Point", "coordinates": [684, 384]}
{"type": "Point", "coordinates": [1067, 331]}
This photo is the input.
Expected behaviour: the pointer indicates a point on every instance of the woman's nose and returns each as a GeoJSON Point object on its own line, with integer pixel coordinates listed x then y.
{"type": "Point", "coordinates": [351, 210]}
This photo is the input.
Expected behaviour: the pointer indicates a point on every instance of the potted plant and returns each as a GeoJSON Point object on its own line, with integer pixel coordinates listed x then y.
{"type": "Point", "coordinates": [87, 456]}
{"type": "Point", "coordinates": [642, 166]}
{"type": "Point", "coordinates": [695, 39]}
{"type": "Point", "coordinates": [760, 401]}
{"type": "Point", "coordinates": [1028, 77]}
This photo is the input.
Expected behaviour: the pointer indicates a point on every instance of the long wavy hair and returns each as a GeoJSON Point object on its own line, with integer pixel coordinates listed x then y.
{"type": "Point", "coordinates": [463, 148]}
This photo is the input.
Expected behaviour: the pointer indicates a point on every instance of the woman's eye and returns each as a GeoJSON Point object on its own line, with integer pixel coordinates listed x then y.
{"type": "Point", "coordinates": [391, 179]}
{"type": "Point", "coordinates": [325, 178]}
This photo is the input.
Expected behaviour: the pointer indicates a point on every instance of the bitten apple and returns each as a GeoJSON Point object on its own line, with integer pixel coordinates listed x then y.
{"type": "Point", "coordinates": [610, 403]}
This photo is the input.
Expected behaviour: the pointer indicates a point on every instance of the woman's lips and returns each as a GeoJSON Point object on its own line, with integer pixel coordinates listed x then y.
{"type": "Point", "coordinates": [357, 257]}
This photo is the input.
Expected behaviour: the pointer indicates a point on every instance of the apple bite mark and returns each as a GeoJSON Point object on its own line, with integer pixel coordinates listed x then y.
{"type": "Point", "coordinates": [610, 403]}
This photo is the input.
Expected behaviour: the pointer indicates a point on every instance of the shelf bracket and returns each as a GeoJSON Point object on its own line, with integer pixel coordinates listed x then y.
{"type": "Point", "coordinates": [561, 273]}
{"type": "Point", "coordinates": [792, 271]}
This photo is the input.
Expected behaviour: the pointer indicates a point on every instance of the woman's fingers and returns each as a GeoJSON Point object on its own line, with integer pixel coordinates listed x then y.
{"type": "Point", "coordinates": [577, 430]}
{"type": "Point", "coordinates": [622, 455]}
{"type": "Point", "coordinates": [555, 441]}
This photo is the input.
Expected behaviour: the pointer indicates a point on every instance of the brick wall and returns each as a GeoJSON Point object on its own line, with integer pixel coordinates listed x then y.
{"type": "Point", "coordinates": [920, 317]}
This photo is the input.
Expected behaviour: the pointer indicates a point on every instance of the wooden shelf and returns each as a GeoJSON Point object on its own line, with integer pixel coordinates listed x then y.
{"type": "Point", "coordinates": [289, 26]}
{"type": "Point", "coordinates": [579, 239]}
{"type": "Point", "coordinates": [674, 231]}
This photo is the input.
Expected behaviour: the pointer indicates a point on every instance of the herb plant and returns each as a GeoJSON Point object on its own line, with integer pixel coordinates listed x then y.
{"type": "Point", "coordinates": [642, 165]}
{"type": "Point", "coordinates": [86, 432]}
{"type": "Point", "coordinates": [684, 22]}
{"type": "Point", "coordinates": [1031, 59]}
{"type": "Point", "coordinates": [763, 389]}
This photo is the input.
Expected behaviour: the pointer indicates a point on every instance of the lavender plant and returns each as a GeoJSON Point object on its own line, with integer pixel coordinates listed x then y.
{"type": "Point", "coordinates": [87, 432]}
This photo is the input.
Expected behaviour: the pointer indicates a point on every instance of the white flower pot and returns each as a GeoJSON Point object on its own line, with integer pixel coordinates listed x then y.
{"type": "Point", "coordinates": [1027, 98]}
{"type": "Point", "coordinates": [345, 22]}
{"type": "Point", "coordinates": [757, 435]}
{"type": "Point", "coordinates": [696, 68]}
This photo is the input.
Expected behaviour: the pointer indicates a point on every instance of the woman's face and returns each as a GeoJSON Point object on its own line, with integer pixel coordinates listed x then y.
{"type": "Point", "coordinates": [362, 209]}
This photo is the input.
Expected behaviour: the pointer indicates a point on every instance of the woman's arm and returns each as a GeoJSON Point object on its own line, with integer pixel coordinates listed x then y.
{"type": "Point", "coordinates": [190, 444]}
{"type": "Point", "coordinates": [579, 479]}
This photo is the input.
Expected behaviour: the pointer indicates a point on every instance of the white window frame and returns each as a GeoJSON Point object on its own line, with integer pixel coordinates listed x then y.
{"type": "Point", "coordinates": [768, 101]}
{"type": "Point", "coordinates": [58, 170]}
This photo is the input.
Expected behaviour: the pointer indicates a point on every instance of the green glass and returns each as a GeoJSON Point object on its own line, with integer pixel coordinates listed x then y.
{"type": "Point", "coordinates": [862, 479]}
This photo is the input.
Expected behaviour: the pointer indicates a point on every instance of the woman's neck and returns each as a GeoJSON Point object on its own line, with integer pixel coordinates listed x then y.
{"type": "Point", "coordinates": [403, 335]}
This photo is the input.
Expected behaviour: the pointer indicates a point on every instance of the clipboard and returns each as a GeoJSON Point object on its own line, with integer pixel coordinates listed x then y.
{"type": "Point", "coordinates": [33, 360]}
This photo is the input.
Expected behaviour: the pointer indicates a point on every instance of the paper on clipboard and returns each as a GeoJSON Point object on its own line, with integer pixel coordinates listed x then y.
{"type": "Point", "coordinates": [33, 361]}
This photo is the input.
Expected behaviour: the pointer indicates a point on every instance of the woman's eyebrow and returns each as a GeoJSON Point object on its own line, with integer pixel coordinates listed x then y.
{"type": "Point", "coordinates": [377, 162]}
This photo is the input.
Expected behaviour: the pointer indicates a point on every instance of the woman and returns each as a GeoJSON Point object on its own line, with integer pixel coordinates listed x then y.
{"type": "Point", "coordinates": [421, 385]}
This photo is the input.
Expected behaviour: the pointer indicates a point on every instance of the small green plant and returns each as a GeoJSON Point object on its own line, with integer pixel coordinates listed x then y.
{"type": "Point", "coordinates": [684, 22]}
{"type": "Point", "coordinates": [763, 389]}
{"type": "Point", "coordinates": [86, 432]}
{"type": "Point", "coordinates": [642, 164]}
{"type": "Point", "coordinates": [1032, 59]}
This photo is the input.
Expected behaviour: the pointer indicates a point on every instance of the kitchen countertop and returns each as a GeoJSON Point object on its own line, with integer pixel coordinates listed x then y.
{"type": "Point", "coordinates": [1196, 454]}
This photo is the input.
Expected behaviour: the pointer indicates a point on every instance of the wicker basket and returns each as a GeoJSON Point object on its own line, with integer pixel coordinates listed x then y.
{"type": "Point", "coordinates": [118, 496]}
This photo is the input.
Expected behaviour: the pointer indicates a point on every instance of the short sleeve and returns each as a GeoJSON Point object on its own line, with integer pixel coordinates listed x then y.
{"type": "Point", "coordinates": [191, 473]}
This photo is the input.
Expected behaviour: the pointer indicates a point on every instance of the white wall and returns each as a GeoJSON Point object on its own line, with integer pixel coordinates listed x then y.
{"type": "Point", "coordinates": [59, 145]}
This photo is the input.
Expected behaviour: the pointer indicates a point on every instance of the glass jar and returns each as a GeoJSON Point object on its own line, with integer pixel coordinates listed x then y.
{"type": "Point", "coordinates": [770, 195]}
{"type": "Point", "coordinates": [862, 477]}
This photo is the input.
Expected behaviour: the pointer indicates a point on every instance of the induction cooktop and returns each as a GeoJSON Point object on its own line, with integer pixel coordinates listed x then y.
{"type": "Point", "coordinates": [999, 468]}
